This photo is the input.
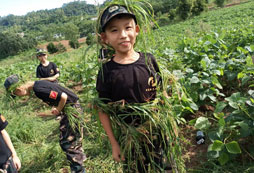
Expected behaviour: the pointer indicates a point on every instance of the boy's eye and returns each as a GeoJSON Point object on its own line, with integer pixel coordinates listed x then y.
{"type": "Point", "coordinates": [113, 30]}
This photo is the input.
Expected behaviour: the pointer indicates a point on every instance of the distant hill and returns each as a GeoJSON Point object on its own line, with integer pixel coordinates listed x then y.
{"type": "Point", "coordinates": [76, 8]}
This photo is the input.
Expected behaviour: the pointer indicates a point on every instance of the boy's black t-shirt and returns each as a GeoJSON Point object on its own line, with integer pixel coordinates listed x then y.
{"type": "Point", "coordinates": [47, 71]}
{"type": "Point", "coordinates": [50, 93]}
{"type": "Point", "coordinates": [5, 152]}
{"type": "Point", "coordinates": [135, 82]}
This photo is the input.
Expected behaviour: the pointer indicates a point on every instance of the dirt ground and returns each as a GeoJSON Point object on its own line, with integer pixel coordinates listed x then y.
{"type": "Point", "coordinates": [193, 154]}
{"type": "Point", "coordinates": [63, 42]}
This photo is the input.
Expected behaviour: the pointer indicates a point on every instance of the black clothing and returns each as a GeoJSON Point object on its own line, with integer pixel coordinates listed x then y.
{"type": "Point", "coordinates": [46, 71]}
{"type": "Point", "coordinates": [51, 92]}
{"type": "Point", "coordinates": [135, 82]}
{"type": "Point", "coordinates": [70, 139]}
{"type": "Point", "coordinates": [5, 152]}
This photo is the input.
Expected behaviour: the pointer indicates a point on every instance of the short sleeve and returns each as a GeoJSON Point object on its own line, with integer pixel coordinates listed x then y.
{"type": "Point", "coordinates": [156, 69]}
{"type": "Point", "coordinates": [3, 122]}
{"type": "Point", "coordinates": [37, 73]}
{"type": "Point", "coordinates": [103, 86]}
{"type": "Point", "coordinates": [56, 69]}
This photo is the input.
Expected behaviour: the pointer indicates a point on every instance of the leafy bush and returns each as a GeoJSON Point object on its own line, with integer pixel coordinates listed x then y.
{"type": "Point", "coordinates": [198, 7]}
{"type": "Point", "coordinates": [60, 48]}
{"type": "Point", "coordinates": [12, 44]}
{"type": "Point", "coordinates": [184, 8]}
{"type": "Point", "coordinates": [52, 48]}
{"type": "Point", "coordinates": [74, 43]}
{"type": "Point", "coordinates": [90, 39]}
{"type": "Point", "coordinates": [220, 3]}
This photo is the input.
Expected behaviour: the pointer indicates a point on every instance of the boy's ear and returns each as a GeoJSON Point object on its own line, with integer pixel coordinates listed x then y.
{"type": "Point", "coordinates": [17, 90]}
{"type": "Point", "coordinates": [103, 37]}
{"type": "Point", "coordinates": [137, 29]}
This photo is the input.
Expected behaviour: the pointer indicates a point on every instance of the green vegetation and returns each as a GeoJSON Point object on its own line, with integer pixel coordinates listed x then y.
{"type": "Point", "coordinates": [209, 61]}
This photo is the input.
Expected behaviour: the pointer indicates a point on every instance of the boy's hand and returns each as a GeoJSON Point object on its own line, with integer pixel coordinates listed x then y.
{"type": "Point", "coordinates": [116, 153]}
{"type": "Point", "coordinates": [55, 111]}
{"type": "Point", "coordinates": [16, 162]}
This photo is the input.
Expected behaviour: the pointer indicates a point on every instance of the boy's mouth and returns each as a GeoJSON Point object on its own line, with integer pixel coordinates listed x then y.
{"type": "Point", "coordinates": [125, 43]}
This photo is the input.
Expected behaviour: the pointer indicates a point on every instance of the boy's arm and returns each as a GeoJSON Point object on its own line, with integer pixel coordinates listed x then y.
{"type": "Point", "coordinates": [106, 123]}
{"type": "Point", "coordinates": [15, 158]}
{"type": "Point", "coordinates": [52, 78]}
{"type": "Point", "coordinates": [61, 104]}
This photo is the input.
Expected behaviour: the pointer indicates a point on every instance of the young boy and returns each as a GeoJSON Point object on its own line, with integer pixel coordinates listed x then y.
{"type": "Point", "coordinates": [62, 99]}
{"type": "Point", "coordinates": [9, 161]}
{"type": "Point", "coordinates": [46, 70]}
{"type": "Point", "coordinates": [129, 77]}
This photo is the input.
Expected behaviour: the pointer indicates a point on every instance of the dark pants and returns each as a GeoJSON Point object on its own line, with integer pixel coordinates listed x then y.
{"type": "Point", "coordinates": [8, 167]}
{"type": "Point", "coordinates": [71, 140]}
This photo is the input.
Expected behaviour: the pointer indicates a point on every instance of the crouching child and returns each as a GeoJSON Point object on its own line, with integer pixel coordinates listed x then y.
{"type": "Point", "coordinates": [66, 104]}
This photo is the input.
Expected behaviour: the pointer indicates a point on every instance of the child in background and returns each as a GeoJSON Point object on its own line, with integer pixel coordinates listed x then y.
{"type": "Point", "coordinates": [66, 104]}
{"type": "Point", "coordinates": [46, 70]}
{"type": "Point", "coordinates": [128, 77]}
{"type": "Point", "coordinates": [9, 161]}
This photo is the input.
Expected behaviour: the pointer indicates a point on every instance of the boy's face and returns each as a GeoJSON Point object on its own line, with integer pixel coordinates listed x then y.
{"type": "Point", "coordinates": [121, 33]}
{"type": "Point", "coordinates": [42, 57]}
{"type": "Point", "coordinates": [21, 91]}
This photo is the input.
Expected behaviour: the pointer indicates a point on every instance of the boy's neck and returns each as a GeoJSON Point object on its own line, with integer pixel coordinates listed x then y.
{"type": "Point", "coordinates": [126, 58]}
{"type": "Point", "coordinates": [45, 63]}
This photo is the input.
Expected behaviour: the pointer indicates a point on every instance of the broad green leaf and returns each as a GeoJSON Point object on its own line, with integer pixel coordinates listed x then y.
{"type": "Point", "coordinates": [217, 145]}
{"type": "Point", "coordinates": [245, 129]}
{"type": "Point", "coordinates": [223, 159]}
{"type": "Point", "coordinates": [202, 96]}
{"type": "Point", "coordinates": [202, 123]}
{"type": "Point", "coordinates": [220, 106]}
{"type": "Point", "coordinates": [205, 62]}
{"type": "Point", "coordinates": [222, 121]}
{"type": "Point", "coordinates": [241, 50]}
{"type": "Point", "coordinates": [251, 93]}
{"type": "Point", "coordinates": [194, 106]}
{"type": "Point", "coordinates": [233, 147]}
{"type": "Point", "coordinates": [252, 100]}
{"type": "Point", "coordinates": [213, 98]}
{"type": "Point", "coordinates": [212, 154]}
{"type": "Point", "coordinates": [221, 72]}
{"type": "Point", "coordinates": [234, 97]}
{"type": "Point", "coordinates": [194, 79]}
{"type": "Point", "coordinates": [252, 47]}
{"type": "Point", "coordinates": [249, 61]}
{"type": "Point", "coordinates": [192, 122]}
{"type": "Point", "coordinates": [233, 105]}
{"type": "Point", "coordinates": [218, 115]}
{"type": "Point", "coordinates": [245, 79]}
{"type": "Point", "coordinates": [214, 135]}
{"type": "Point", "coordinates": [240, 75]}
{"type": "Point", "coordinates": [217, 72]}
{"type": "Point", "coordinates": [216, 82]}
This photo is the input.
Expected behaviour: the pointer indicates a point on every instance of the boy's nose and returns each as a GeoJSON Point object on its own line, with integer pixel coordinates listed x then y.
{"type": "Point", "coordinates": [123, 33]}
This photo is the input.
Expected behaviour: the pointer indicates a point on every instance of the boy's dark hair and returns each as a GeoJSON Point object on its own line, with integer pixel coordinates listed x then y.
{"type": "Point", "coordinates": [112, 11]}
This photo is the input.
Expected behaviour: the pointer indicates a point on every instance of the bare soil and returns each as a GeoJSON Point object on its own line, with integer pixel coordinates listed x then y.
{"type": "Point", "coordinates": [63, 42]}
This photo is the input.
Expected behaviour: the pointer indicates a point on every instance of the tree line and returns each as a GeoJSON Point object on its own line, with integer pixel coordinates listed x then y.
{"type": "Point", "coordinates": [75, 20]}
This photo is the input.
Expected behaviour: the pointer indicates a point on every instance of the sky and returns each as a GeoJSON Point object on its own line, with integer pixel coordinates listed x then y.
{"type": "Point", "coordinates": [21, 7]}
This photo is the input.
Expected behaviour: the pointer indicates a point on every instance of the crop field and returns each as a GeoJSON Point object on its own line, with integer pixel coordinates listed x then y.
{"type": "Point", "coordinates": [209, 58]}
